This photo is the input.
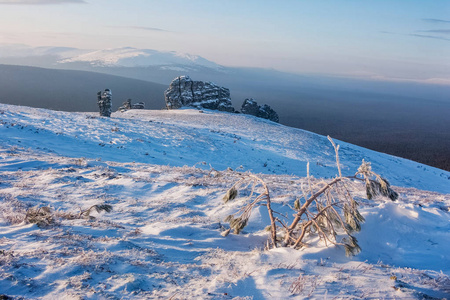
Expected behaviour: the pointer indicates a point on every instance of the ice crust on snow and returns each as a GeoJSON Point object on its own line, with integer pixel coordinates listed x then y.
{"type": "Point", "coordinates": [162, 238]}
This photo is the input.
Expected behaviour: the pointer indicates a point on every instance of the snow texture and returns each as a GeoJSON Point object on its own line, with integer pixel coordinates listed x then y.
{"type": "Point", "coordinates": [165, 173]}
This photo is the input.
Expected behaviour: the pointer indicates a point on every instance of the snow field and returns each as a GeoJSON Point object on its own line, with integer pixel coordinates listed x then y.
{"type": "Point", "coordinates": [162, 239]}
{"type": "Point", "coordinates": [188, 137]}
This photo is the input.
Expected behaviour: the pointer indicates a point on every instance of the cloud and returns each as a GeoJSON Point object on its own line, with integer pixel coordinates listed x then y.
{"type": "Point", "coordinates": [36, 2]}
{"type": "Point", "coordinates": [141, 28]}
{"type": "Point", "coordinates": [429, 36]}
{"type": "Point", "coordinates": [441, 31]}
{"type": "Point", "coordinates": [436, 21]}
{"type": "Point", "coordinates": [147, 28]}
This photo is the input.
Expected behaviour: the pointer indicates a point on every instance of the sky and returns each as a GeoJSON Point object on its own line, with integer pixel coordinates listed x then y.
{"type": "Point", "coordinates": [383, 39]}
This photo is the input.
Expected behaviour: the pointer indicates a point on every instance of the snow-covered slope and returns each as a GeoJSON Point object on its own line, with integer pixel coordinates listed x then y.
{"type": "Point", "coordinates": [164, 173]}
{"type": "Point", "coordinates": [188, 137]}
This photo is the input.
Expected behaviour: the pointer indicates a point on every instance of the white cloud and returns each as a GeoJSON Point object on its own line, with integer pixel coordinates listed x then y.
{"type": "Point", "coordinates": [141, 28]}
{"type": "Point", "coordinates": [34, 2]}
{"type": "Point", "coordinates": [436, 21]}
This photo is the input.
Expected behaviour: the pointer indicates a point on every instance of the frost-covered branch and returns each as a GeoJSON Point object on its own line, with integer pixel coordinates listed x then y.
{"type": "Point", "coordinates": [334, 214]}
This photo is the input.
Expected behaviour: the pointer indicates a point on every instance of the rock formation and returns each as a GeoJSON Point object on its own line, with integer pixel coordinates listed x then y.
{"type": "Point", "coordinates": [127, 105]}
{"type": "Point", "coordinates": [139, 105]}
{"type": "Point", "coordinates": [251, 107]}
{"type": "Point", "coordinates": [183, 92]}
{"type": "Point", "coordinates": [104, 101]}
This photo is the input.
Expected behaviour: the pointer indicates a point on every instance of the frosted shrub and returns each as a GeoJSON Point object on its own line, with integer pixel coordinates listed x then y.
{"type": "Point", "coordinates": [41, 216]}
{"type": "Point", "coordinates": [86, 213]}
{"type": "Point", "coordinates": [325, 209]}
{"type": "Point", "coordinates": [44, 216]}
{"type": "Point", "coordinates": [82, 162]}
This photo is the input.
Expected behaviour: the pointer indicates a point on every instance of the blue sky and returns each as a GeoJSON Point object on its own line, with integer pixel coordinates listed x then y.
{"type": "Point", "coordinates": [408, 40]}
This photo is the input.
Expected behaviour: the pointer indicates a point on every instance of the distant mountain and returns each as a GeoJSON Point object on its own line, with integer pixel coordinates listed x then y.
{"type": "Point", "coordinates": [64, 57]}
{"type": "Point", "coordinates": [132, 57]}
{"type": "Point", "coordinates": [72, 90]}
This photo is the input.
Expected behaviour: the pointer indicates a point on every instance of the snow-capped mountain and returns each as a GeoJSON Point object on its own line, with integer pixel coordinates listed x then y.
{"type": "Point", "coordinates": [117, 57]}
{"type": "Point", "coordinates": [164, 173]}
{"type": "Point", "coordinates": [132, 57]}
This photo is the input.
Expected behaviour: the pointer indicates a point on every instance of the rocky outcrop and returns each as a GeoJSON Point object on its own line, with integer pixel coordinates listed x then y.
{"type": "Point", "coordinates": [139, 105]}
{"type": "Point", "coordinates": [127, 105]}
{"type": "Point", "coordinates": [251, 107]}
{"type": "Point", "coordinates": [104, 101]}
{"type": "Point", "coordinates": [184, 92]}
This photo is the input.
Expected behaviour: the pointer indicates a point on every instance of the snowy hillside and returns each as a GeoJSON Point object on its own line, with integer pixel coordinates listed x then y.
{"type": "Point", "coordinates": [164, 173]}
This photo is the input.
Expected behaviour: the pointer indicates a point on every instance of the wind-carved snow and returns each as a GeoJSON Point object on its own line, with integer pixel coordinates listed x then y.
{"type": "Point", "coordinates": [165, 173]}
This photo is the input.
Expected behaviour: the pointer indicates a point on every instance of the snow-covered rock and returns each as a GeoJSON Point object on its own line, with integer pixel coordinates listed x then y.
{"type": "Point", "coordinates": [104, 101]}
{"type": "Point", "coordinates": [251, 107]}
{"type": "Point", "coordinates": [139, 105]}
{"type": "Point", "coordinates": [185, 92]}
{"type": "Point", "coordinates": [127, 105]}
